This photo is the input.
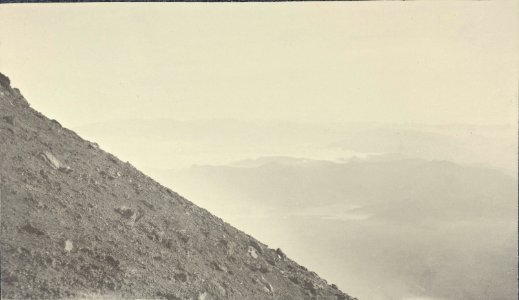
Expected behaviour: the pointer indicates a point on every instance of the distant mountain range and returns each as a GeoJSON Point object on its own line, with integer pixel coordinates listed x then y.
{"type": "Point", "coordinates": [180, 144]}
{"type": "Point", "coordinates": [419, 228]}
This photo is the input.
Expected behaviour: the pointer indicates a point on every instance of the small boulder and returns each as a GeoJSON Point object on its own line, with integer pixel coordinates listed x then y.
{"type": "Point", "coordinates": [218, 267]}
{"type": "Point", "coordinates": [270, 261]}
{"type": "Point", "coordinates": [311, 287]}
{"type": "Point", "coordinates": [265, 269]}
{"type": "Point", "coordinates": [267, 286]}
{"type": "Point", "coordinates": [112, 261]}
{"type": "Point", "coordinates": [5, 81]}
{"type": "Point", "coordinates": [295, 280]}
{"type": "Point", "coordinates": [203, 296]}
{"type": "Point", "coordinates": [256, 246]}
{"type": "Point", "coordinates": [32, 229]}
{"type": "Point", "coordinates": [280, 254]}
{"type": "Point", "coordinates": [252, 252]}
{"type": "Point", "coordinates": [55, 123]}
{"type": "Point", "coordinates": [229, 246]}
{"type": "Point", "coordinates": [344, 297]}
{"type": "Point", "coordinates": [10, 120]}
{"type": "Point", "coordinates": [65, 169]}
{"type": "Point", "coordinates": [68, 246]}
{"type": "Point", "coordinates": [158, 235]}
{"type": "Point", "coordinates": [126, 212]}
{"type": "Point", "coordinates": [50, 159]}
{"type": "Point", "coordinates": [219, 288]}
{"type": "Point", "coordinates": [146, 203]}
{"type": "Point", "coordinates": [182, 277]}
{"type": "Point", "coordinates": [168, 296]}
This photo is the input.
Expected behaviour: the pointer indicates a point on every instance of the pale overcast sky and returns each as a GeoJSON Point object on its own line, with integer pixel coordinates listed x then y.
{"type": "Point", "coordinates": [424, 62]}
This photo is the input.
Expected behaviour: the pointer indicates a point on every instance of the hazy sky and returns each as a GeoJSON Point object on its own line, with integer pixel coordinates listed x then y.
{"type": "Point", "coordinates": [426, 62]}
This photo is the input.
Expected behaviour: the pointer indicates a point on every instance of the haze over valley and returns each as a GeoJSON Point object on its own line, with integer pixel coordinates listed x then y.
{"type": "Point", "coordinates": [375, 142]}
{"type": "Point", "coordinates": [424, 211]}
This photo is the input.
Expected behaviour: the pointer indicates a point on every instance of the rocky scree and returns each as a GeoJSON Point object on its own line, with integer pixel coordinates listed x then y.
{"type": "Point", "coordinates": [77, 222]}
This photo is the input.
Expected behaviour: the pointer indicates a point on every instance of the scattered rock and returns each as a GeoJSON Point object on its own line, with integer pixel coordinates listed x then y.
{"type": "Point", "coordinates": [68, 246]}
{"type": "Point", "coordinates": [126, 212]}
{"type": "Point", "coordinates": [265, 269]}
{"type": "Point", "coordinates": [33, 230]}
{"type": "Point", "coordinates": [168, 296]}
{"type": "Point", "coordinates": [9, 278]}
{"type": "Point", "coordinates": [183, 237]}
{"type": "Point", "coordinates": [252, 252]}
{"type": "Point", "coordinates": [52, 161]}
{"type": "Point", "coordinates": [86, 250]}
{"type": "Point", "coordinates": [9, 120]}
{"type": "Point", "coordinates": [37, 203]}
{"type": "Point", "coordinates": [218, 267]}
{"type": "Point", "coordinates": [254, 266]}
{"type": "Point", "coordinates": [169, 243]}
{"type": "Point", "coordinates": [10, 130]}
{"type": "Point", "coordinates": [182, 277]}
{"type": "Point", "coordinates": [171, 193]}
{"type": "Point", "coordinates": [219, 288]}
{"type": "Point", "coordinates": [56, 123]}
{"type": "Point", "coordinates": [5, 82]}
{"type": "Point", "coordinates": [311, 287]}
{"type": "Point", "coordinates": [280, 254]}
{"type": "Point", "coordinates": [230, 246]}
{"type": "Point", "coordinates": [294, 279]}
{"type": "Point", "coordinates": [158, 235]}
{"type": "Point", "coordinates": [112, 261]}
{"type": "Point", "coordinates": [65, 169]}
{"type": "Point", "coordinates": [203, 296]}
{"type": "Point", "coordinates": [257, 246]}
{"type": "Point", "coordinates": [94, 146]}
{"type": "Point", "coordinates": [23, 251]}
{"type": "Point", "coordinates": [267, 285]}
{"type": "Point", "coordinates": [50, 261]}
{"type": "Point", "coordinates": [113, 159]}
{"type": "Point", "coordinates": [270, 261]}
{"type": "Point", "coordinates": [19, 97]}
{"type": "Point", "coordinates": [147, 204]}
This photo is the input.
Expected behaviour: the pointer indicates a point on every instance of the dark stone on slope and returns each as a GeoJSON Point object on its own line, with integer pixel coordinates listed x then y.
{"type": "Point", "coordinates": [5, 82]}
{"type": "Point", "coordinates": [32, 229]}
{"type": "Point", "coordinates": [10, 120]}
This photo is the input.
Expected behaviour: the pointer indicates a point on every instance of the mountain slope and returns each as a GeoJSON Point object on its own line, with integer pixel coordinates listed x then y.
{"type": "Point", "coordinates": [76, 222]}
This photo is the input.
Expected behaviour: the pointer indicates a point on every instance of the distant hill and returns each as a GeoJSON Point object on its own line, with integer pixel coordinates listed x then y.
{"type": "Point", "coordinates": [489, 146]}
{"type": "Point", "coordinates": [181, 144]}
{"type": "Point", "coordinates": [77, 222]}
{"type": "Point", "coordinates": [277, 160]}
{"type": "Point", "coordinates": [433, 189]}
{"type": "Point", "coordinates": [420, 229]}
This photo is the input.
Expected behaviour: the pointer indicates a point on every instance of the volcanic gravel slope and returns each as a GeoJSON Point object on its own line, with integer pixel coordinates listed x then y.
{"type": "Point", "coordinates": [77, 222]}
